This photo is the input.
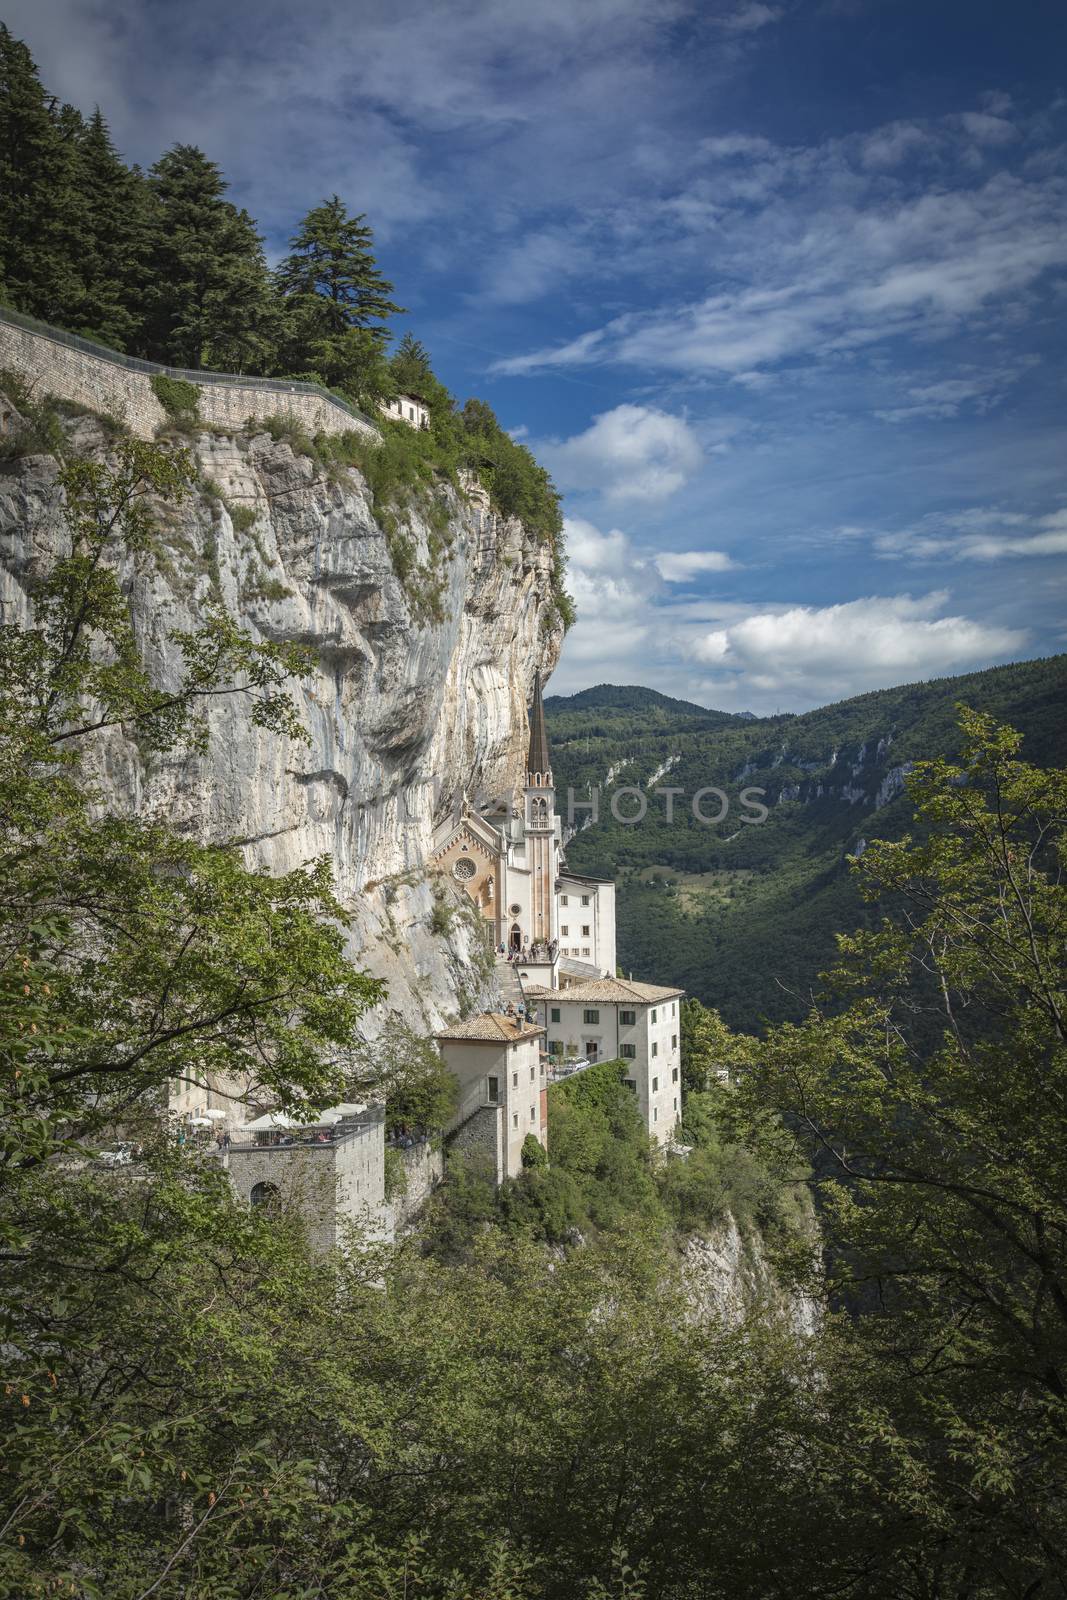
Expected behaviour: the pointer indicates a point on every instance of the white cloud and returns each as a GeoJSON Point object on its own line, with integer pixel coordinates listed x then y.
{"type": "Point", "coordinates": [298, 103]}
{"type": "Point", "coordinates": [977, 533]}
{"type": "Point", "coordinates": [590, 551]}
{"type": "Point", "coordinates": [821, 251]}
{"type": "Point", "coordinates": [750, 17]}
{"type": "Point", "coordinates": [987, 129]}
{"type": "Point", "coordinates": [632, 452]}
{"type": "Point", "coordinates": [979, 390]}
{"type": "Point", "coordinates": [895, 142]}
{"type": "Point", "coordinates": [726, 147]}
{"type": "Point", "coordinates": [616, 622]}
{"type": "Point", "coordinates": [681, 565]}
{"type": "Point", "coordinates": [857, 645]}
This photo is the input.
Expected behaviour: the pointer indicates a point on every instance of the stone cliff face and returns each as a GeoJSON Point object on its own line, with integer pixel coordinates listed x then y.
{"type": "Point", "coordinates": [730, 1277]}
{"type": "Point", "coordinates": [405, 715]}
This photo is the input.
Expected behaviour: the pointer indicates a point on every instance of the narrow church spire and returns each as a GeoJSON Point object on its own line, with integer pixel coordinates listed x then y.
{"type": "Point", "coordinates": [539, 760]}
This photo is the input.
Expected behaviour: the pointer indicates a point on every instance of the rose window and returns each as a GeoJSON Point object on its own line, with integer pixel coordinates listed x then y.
{"type": "Point", "coordinates": [464, 869]}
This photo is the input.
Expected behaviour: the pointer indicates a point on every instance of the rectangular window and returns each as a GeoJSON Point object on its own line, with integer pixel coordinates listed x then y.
{"type": "Point", "coordinates": [585, 930]}
{"type": "Point", "coordinates": [564, 900]}
{"type": "Point", "coordinates": [676, 1102]}
{"type": "Point", "coordinates": [628, 1052]}
{"type": "Point", "coordinates": [514, 1080]}
{"type": "Point", "coordinates": [655, 1113]}
{"type": "Point", "coordinates": [531, 1074]}
{"type": "Point", "coordinates": [591, 1016]}
{"type": "Point", "coordinates": [555, 1047]}
{"type": "Point", "coordinates": [655, 1049]}
{"type": "Point", "coordinates": [631, 1084]}
{"type": "Point", "coordinates": [515, 1120]}
{"type": "Point", "coordinates": [585, 950]}
{"type": "Point", "coordinates": [494, 1091]}
{"type": "Point", "coordinates": [565, 931]}
{"type": "Point", "coordinates": [674, 1008]}
{"type": "Point", "coordinates": [553, 1015]}
{"type": "Point", "coordinates": [653, 1016]}
{"type": "Point", "coordinates": [655, 1086]}
{"type": "Point", "coordinates": [627, 1018]}
{"type": "Point", "coordinates": [674, 1041]}
{"type": "Point", "coordinates": [533, 1113]}
{"type": "Point", "coordinates": [585, 899]}
{"type": "Point", "coordinates": [674, 1075]}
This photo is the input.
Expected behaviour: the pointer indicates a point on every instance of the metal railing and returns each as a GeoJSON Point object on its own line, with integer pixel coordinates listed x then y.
{"type": "Point", "coordinates": [238, 380]}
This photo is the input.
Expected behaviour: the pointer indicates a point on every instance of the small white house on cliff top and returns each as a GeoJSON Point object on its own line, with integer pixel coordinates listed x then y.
{"type": "Point", "coordinates": [408, 408]}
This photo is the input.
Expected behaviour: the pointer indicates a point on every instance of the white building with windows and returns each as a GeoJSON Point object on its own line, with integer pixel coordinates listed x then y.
{"type": "Point", "coordinates": [557, 930]}
{"type": "Point", "coordinates": [407, 408]}
{"type": "Point", "coordinates": [502, 1088]}
{"type": "Point", "coordinates": [615, 1018]}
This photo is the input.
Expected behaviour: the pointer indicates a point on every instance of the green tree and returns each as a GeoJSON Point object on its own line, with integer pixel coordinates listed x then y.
{"type": "Point", "coordinates": [335, 302]}
{"type": "Point", "coordinates": [710, 1052]}
{"type": "Point", "coordinates": [404, 1071]}
{"type": "Point", "coordinates": [41, 218]}
{"type": "Point", "coordinates": [115, 244]}
{"type": "Point", "coordinates": [410, 366]}
{"type": "Point", "coordinates": [209, 301]}
{"type": "Point", "coordinates": [933, 1100]}
{"type": "Point", "coordinates": [331, 266]}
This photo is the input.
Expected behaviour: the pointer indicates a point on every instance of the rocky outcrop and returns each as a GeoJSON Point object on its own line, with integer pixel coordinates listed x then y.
{"type": "Point", "coordinates": [729, 1277]}
{"type": "Point", "coordinates": [404, 714]}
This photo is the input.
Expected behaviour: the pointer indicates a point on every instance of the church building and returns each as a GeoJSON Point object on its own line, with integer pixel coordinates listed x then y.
{"type": "Point", "coordinates": [557, 926]}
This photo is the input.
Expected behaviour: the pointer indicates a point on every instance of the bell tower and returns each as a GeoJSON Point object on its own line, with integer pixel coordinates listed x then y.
{"type": "Point", "coordinates": [540, 824]}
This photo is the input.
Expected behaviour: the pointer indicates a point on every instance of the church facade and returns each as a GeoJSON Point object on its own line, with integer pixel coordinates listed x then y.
{"type": "Point", "coordinates": [557, 926]}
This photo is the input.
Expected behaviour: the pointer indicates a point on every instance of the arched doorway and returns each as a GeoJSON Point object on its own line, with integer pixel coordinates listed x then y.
{"type": "Point", "coordinates": [263, 1194]}
{"type": "Point", "coordinates": [515, 938]}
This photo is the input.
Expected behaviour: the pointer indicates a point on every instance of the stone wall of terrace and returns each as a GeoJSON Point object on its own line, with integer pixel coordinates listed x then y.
{"type": "Point", "coordinates": [52, 362]}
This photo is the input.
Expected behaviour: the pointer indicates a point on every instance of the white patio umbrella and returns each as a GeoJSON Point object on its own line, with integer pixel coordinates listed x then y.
{"type": "Point", "coordinates": [216, 1114]}
{"type": "Point", "coordinates": [266, 1123]}
{"type": "Point", "coordinates": [199, 1122]}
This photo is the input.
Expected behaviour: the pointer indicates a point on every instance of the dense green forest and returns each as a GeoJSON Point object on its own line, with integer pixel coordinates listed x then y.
{"type": "Point", "coordinates": [744, 914]}
{"type": "Point", "coordinates": [162, 265]}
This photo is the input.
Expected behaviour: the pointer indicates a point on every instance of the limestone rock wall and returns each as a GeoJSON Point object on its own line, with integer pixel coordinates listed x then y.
{"type": "Point", "coordinates": [404, 715]}
{"type": "Point", "coordinates": [728, 1276]}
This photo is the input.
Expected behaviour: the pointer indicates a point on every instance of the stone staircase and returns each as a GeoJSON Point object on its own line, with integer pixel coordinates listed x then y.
{"type": "Point", "coordinates": [508, 983]}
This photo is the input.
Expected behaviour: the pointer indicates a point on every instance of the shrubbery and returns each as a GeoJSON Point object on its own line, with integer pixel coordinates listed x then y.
{"type": "Point", "coordinates": [179, 399]}
{"type": "Point", "coordinates": [603, 1175]}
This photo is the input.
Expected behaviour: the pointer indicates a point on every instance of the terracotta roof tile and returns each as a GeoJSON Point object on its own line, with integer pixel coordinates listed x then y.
{"type": "Point", "coordinates": [494, 1027]}
{"type": "Point", "coordinates": [621, 990]}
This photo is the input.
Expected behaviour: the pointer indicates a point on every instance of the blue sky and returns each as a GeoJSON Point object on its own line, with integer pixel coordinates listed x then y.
{"type": "Point", "coordinates": [776, 290]}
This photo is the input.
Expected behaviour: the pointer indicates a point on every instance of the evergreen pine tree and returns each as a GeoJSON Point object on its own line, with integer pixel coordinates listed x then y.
{"type": "Point", "coordinates": [210, 300]}
{"type": "Point", "coordinates": [336, 302]}
{"type": "Point", "coordinates": [411, 368]}
{"type": "Point", "coordinates": [113, 259]}
{"type": "Point", "coordinates": [40, 222]}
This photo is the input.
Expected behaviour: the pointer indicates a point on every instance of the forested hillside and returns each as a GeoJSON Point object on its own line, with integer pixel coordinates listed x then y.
{"type": "Point", "coordinates": [744, 913]}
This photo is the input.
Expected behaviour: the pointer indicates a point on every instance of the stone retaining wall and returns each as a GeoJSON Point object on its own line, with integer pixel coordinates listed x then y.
{"type": "Point", "coordinates": [424, 1167]}
{"type": "Point", "coordinates": [481, 1137]}
{"type": "Point", "coordinates": [52, 362]}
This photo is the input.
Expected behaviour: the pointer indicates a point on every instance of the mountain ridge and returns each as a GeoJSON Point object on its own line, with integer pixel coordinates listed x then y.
{"type": "Point", "coordinates": [744, 916]}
